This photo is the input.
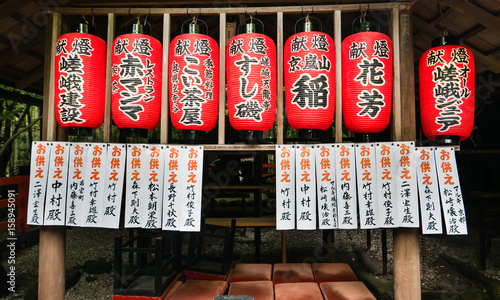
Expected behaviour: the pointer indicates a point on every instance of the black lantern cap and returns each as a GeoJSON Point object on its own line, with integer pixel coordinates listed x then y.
{"type": "Point", "coordinates": [445, 40]}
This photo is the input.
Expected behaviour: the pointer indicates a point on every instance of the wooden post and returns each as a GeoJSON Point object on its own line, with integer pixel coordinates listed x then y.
{"type": "Point", "coordinates": [406, 240]}
{"type": "Point", "coordinates": [51, 274]}
{"type": "Point", "coordinates": [164, 85]}
{"type": "Point", "coordinates": [107, 100]}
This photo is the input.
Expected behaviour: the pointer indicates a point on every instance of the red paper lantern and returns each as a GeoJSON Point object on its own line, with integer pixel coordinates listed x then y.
{"type": "Point", "coordinates": [251, 81]}
{"type": "Point", "coordinates": [136, 81]}
{"type": "Point", "coordinates": [366, 82]}
{"type": "Point", "coordinates": [194, 81]}
{"type": "Point", "coordinates": [446, 75]}
{"type": "Point", "coordinates": [310, 80]}
{"type": "Point", "coordinates": [80, 76]}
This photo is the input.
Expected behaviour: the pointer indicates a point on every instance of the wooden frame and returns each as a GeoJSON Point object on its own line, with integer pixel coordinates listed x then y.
{"type": "Point", "coordinates": [406, 240]}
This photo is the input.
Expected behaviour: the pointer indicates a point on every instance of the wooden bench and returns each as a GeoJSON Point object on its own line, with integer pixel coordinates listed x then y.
{"type": "Point", "coordinates": [252, 222]}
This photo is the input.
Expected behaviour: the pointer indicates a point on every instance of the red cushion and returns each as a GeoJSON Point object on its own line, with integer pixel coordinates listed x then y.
{"type": "Point", "coordinates": [346, 290]}
{"type": "Point", "coordinates": [259, 290]}
{"type": "Point", "coordinates": [173, 290]}
{"type": "Point", "coordinates": [251, 272]}
{"type": "Point", "coordinates": [328, 272]}
{"type": "Point", "coordinates": [297, 291]}
{"type": "Point", "coordinates": [200, 290]}
{"type": "Point", "coordinates": [204, 276]}
{"type": "Point", "coordinates": [298, 272]}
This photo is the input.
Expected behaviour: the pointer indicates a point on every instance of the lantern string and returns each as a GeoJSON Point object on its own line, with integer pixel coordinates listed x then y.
{"type": "Point", "coordinates": [445, 31]}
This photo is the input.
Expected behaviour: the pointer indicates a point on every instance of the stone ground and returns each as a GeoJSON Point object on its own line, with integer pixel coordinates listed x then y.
{"type": "Point", "coordinates": [438, 274]}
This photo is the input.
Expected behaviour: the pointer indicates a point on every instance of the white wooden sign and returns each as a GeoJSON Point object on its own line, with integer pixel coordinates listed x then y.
{"type": "Point", "coordinates": [305, 188]}
{"type": "Point", "coordinates": [175, 168]}
{"type": "Point", "coordinates": [135, 185]}
{"type": "Point", "coordinates": [345, 166]}
{"type": "Point", "coordinates": [191, 195]}
{"type": "Point", "coordinates": [40, 156]}
{"type": "Point", "coordinates": [326, 186]}
{"type": "Point", "coordinates": [152, 211]}
{"type": "Point", "coordinates": [95, 178]}
{"type": "Point", "coordinates": [428, 190]}
{"type": "Point", "coordinates": [55, 200]}
{"type": "Point", "coordinates": [76, 183]}
{"type": "Point", "coordinates": [406, 180]}
{"type": "Point", "coordinates": [285, 187]}
{"type": "Point", "coordinates": [115, 175]}
{"type": "Point", "coordinates": [366, 175]}
{"type": "Point", "coordinates": [386, 185]}
{"type": "Point", "coordinates": [451, 193]}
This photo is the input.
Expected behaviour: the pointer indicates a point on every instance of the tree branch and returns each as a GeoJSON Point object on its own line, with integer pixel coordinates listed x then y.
{"type": "Point", "coordinates": [12, 138]}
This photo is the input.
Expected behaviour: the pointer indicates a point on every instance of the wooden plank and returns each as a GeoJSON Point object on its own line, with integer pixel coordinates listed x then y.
{"type": "Point", "coordinates": [13, 180]}
{"type": "Point", "coordinates": [32, 77]}
{"type": "Point", "coordinates": [239, 147]}
{"type": "Point", "coordinates": [408, 122]}
{"type": "Point", "coordinates": [107, 98]}
{"type": "Point", "coordinates": [164, 85]}
{"type": "Point", "coordinates": [222, 78]}
{"type": "Point", "coordinates": [243, 222]}
{"type": "Point", "coordinates": [279, 97]}
{"type": "Point", "coordinates": [396, 105]}
{"type": "Point", "coordinates": [49, 113]}
{"type": "Point", "coordinates": [46, 79]}
{"type": "Point", "coordinates": [337, 34]}
{"type": "Point", "coordinates": [237, 10]}
{"type": "Point", "coordinates": [240, 187]}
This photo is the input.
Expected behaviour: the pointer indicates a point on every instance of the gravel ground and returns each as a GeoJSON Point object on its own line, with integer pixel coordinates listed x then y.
{"type": "Point", "coordinates": [302, 246]}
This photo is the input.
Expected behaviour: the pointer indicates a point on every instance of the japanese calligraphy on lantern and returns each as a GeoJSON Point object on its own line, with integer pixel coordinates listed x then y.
{"type": "Point", "coordinates": [194, 81]}
{"type": "Point", "coordinates": [190, 213]}
{"type": "Point", "coordinates": [326, 186]}
{"type": "Point", "coordinates": [40, 155]}
{"type": "Point", "coordinates": [55, 200]}
{"type": "Point", "coordinates": [305, 188]}
{"type": "Point", "coordinates": [112, 204]}
{"type": "Point", "coordinates": [78, 153]}
{"type": "Point", "coordinates": [152, 210]}
{"type": "Point", "coordinates": [251, 60]}
{"type": "Point", "coordinates": [447, 91]}
{"type": "Point", "coordinates": [175, 169]}
{"type": "Point", "coordinates": [310, 80]}
{"type": "Point", "coordinates": [80, 71]}
{"type": "Point", "coordinates": [428, 190]}
{"type": "Point", "coordinates": [367, 81]}
{"type": "Point", "coordinates": [136, 81]}
{"type": "Point", "coordinates": [366, 171]}
{"type": "Point", "coordinates": [386, 185]}
{"type": "Point", "coordinates": [135, 185]}
{"type": "Point", "coordinates": [451, 193]}
{"type": "Point", "coordinates": [345, 167]}
{"type": "Point", "coordinates": [406, 185]}
{"type": "Point", "coordinates": [285, 187]}
{"type": "Point", "coordinates": [95, 179]}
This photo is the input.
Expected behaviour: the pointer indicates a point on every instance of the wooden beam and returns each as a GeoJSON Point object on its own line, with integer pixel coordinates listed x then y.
{"type": "Point", "coordinates": [51, 270]}
{"type": "Point", "coordinates": [165, 101]}
{"type": "Point", "coordinates": [338, 74]}
{"type": "Point", "coordinates": [7, 55]}
{"type": "Point", "coordinates": [26, 99]}
{"type": "Point", "coordinates": [396, 104]}
{"type": "Point", "coordinates": [222, 79]}
{"type": "Point", "coordinates": [29, 79]}
{"type": "Point", "coordinates": [12, 6]}
{"type": "Point", "coordinates": [279, 97]}
{"type": "Point", "coordinates": [474, 12]}
{"type": "Point", "coordinates": [107, 97]}
{"type": "Point", "coordinates": [493, 64]}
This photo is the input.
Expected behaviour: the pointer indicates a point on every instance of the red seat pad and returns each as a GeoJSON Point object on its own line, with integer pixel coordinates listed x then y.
{"type": "Point", "coordinates": [173, 290]}
{"type": "Point", "coordinates": [205, 276]}
{"type": "Point", "coordinates": [200, 290]}
{"type": "Point", "coordinates": [251, 272]}
{"type": "Point", "coordinates": [328, 272]}
{"type": "Point", "coordinates": [259, 290]}
{"type": "Point", "coordinates": [346, 290]}
{"type": "Point", "coordinates": [296, 272]}
{"type": "Point", "coordinates": [297, 291]}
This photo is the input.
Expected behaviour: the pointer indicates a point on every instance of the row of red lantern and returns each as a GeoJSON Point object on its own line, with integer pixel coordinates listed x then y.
{"type": "Point", "coordinates": [251, 57]}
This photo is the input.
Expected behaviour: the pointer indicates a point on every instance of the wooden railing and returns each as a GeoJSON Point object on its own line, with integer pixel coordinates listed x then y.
{"type": "Point", "coordinates": [20, 202]}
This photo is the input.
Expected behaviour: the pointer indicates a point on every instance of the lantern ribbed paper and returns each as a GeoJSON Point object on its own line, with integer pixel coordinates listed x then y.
{"type": "Point", "coordinates": [80, 76]}
{"type": "Point", "coordinates": [194, 81]}
{"type": "Point", "coordinates": [447, 83]}
{"type": "Point", "coordinates": [136, 81]}
{"type": "Point", "coordinates": [366, 82]}
{"type": "Point", "coordinates": [310, 80]}
{"type": "Point", "coordinates": [251, 81]}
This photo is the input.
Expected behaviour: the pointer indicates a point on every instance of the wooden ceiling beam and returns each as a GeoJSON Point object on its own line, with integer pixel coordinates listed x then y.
{"type": "Point", "coordinates": [163, 3]}
{"type": "Point", "coordinates": [29, 79]}
{"type": "Point", "coordinates": [11, 6]}
{"type": "Point", "coordinates": [474, 12]}
{"type": "Point", "coordinates": [491, 63]}
{"type": "Point", "coordinates": [7, 55]}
